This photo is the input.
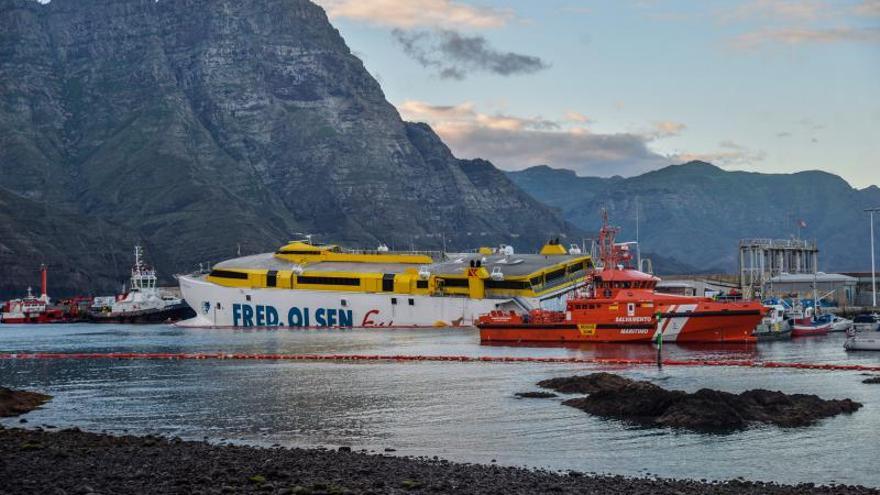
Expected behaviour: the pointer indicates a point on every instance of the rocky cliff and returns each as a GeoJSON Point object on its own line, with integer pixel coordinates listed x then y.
{"type": "Point", "coordinates": [198, 126]}
{"type": "Point", "coordinates": [696, 213]}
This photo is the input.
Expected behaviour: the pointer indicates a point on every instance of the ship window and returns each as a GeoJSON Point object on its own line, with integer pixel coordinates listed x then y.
{"type": "Point", "coordinates": [272, 278]}
{"type": "Point", "coordinates": [290, 251]}
{"type": "Point", "coordinates": [343, 303]}
{"type": "Point", "coordinates": [556, 274]}
{"type": "Point", "coordinates": [421, 284]}
{"type": "Point", "coordinates": [536, 281]}
{"type": "Point", "coordinates": [507, 284]}
{"type": "Point", "coordinates": [455, 282]}
{"type": "Point", "coordinates": [218, 306]}
{"type": "Point", "coordinates": [388, 282]}
{"type": "Point", "coordinates": [247, 297]}
{"type": "Point", "coordinates": [229, 274]}
{"type": "Point", "coordinates": [412, 302]}
{"type": "Point", "coordinates": [393, 300]}
{"type": "Point", "coordinates": [327, 280]}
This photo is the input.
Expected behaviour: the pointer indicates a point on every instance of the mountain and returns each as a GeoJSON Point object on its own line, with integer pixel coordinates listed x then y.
{"type": "Point", "coordinates": [696, 213]}
{"type": "Point", "coordinates": [205, 127]}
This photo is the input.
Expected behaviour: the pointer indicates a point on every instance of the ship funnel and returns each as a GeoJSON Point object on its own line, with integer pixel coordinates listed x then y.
{"type": "Point", "coordinates": [44, 294]}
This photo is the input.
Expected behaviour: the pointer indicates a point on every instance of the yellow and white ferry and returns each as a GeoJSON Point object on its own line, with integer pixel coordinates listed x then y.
{"type": "Point", "coordinates": [309, 285]}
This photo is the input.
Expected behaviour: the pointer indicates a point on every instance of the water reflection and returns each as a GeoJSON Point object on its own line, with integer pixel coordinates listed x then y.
{"type": "Point", "coordinates": [460, 411]}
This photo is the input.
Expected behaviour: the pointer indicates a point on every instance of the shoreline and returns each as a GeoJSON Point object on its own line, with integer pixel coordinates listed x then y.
{"type": "Point", "coordinates": [73, 461]}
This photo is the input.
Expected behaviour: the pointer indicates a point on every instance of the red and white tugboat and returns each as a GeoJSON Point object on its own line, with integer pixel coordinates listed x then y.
{"type": "Point", "coordinates": [621, 305]}
{"type": "Point", "coordinates": [32, 309]}
{"type": "Point", "coordinates": [143, 303]}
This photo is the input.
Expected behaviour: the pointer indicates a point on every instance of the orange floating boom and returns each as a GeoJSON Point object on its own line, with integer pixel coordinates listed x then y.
{"type": "Point", "coordinates": [462, 359]}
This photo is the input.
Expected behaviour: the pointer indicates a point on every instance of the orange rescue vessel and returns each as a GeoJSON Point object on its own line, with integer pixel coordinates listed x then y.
{"type": "Point", "coordinates": [620, 304]}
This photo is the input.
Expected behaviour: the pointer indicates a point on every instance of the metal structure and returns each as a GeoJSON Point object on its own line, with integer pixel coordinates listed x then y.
{"type": "Point", "coordinates": [873, 270]}
{"type": "Point", "coordinates": [762, 259]}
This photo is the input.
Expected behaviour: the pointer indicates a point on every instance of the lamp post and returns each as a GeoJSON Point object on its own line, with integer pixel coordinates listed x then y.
{"type": "Point", "coordinates": [873, 270]}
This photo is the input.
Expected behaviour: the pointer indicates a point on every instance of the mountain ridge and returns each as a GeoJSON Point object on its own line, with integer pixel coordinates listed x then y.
{"type": "Point", "coordinates": [696, 213]}
{"type": "Point", "coordinates": [202, 127]}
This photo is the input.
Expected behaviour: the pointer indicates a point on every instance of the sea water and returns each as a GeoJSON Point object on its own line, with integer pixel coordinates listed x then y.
{"type": "Point", "coordinates": [461, 411]}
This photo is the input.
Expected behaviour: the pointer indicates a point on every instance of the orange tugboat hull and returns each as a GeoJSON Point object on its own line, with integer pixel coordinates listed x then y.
{"type": "Point", "coordinates": [718, 322]}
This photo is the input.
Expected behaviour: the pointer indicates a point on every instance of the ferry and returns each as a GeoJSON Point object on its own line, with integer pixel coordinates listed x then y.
{"type": "Point", "coordinates": [305, 284]}
{"type": "Point", "coordinates": [620, 304]}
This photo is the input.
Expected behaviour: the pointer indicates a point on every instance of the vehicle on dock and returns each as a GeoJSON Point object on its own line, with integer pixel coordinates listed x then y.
{"type": "Point", "coordinates": [621, 304]}
{"type": "Point", "coordinates": [143, 302]}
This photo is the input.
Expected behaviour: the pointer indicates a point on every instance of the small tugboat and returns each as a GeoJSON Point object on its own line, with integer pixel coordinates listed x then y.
{"type": "Point", "coordinates": [621, 304]}
{"type": "Point", "coordinates": [32, 309]}
{"type": "Point", "coordinates": [142, 303]}
{"type": "Point", "coordinates": [774, 326]}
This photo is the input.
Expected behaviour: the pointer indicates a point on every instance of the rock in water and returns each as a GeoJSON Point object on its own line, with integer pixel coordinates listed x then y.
{"type": "Point", "coordinates": [705, 410]}
{"type": "Point", "coordinates": [195, 126]}
{"type": "Point", "coordinates": [15, 402]}
{"type": "Point", "coordinates": [535, 395]}
{"type": "Point", "coordinates": [585, 384]}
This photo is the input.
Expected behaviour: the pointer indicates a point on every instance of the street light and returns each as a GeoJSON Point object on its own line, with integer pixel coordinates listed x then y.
{"type": "Point", "coordinates": [873, 270]}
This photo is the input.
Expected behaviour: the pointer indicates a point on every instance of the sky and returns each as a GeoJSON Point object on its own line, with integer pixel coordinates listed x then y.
{"type": "Point", "coordinates": [622, 87]}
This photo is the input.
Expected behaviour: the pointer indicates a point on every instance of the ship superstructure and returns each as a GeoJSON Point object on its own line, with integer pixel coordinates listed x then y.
{"type": "Point", "coordinates": [311, 285]}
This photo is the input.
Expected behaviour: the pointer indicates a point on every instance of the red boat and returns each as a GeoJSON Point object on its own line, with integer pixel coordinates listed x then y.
{"type": "Point", "coordinates": [804, 327]}
{"type": "Point", "coordinates": [32, 309]}
{"type": "Point", "coordinates": [621, 305]}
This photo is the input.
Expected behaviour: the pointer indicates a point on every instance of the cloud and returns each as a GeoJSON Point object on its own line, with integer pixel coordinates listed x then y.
{"type": "Point", "coordinates": [802, 10]}
{"type": "Point", "coordinates": [573, 116]}
{"type": "Point", "coordinates": [666, 129]}
{"type": "Point", "coordinates": [733, 156]}
{"type": "Point", "coordinates": [799, 36]}
{"type": "Point", "coordinates": [868, 8]}
{"type": "Point", "coordinates": [410, 14]}
{"type": "Point", "coordinates": [810, 124]}
{"type": "Point", "coordinates": [454, 55]}
{"type": "Point", "coordinates": [515, 143]}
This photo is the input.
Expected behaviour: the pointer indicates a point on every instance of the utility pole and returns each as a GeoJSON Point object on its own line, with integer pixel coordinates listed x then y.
{"type": "Point", "coordinates": [873, 269]}
{"type": "Point", "coordinates": [638, 246]}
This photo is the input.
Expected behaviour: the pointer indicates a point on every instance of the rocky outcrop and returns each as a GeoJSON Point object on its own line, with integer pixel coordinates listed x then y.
{"type": "Point", "coordinates": [72, 461]}
{"type": "Point", "coordinates": [535, 395]}
{"type": "Point", "coordinates": [15, 402]}
{"type": "Point", "coordinates": [646, 404]}
{"type": "Point", "coordinates": [201, 127]}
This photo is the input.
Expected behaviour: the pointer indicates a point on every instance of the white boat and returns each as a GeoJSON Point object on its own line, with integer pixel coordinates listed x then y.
{"type": "Point", "coordinates": [867, 322]}
{"type": "Point", "coordinates": [840, 324]}
{"type": "Point", "coordinates": [308, 285]}
{"type": "Point", "coordinates": [861, 341]}
{"type": "Point", "coordinates": [144, 302]}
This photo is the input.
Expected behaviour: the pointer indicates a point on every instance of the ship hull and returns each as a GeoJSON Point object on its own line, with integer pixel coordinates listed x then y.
{"type": "Point", "coordinates": [807, 331]}
{"type": "Point", "coordinates": [33, 319]}
{"type": "Point", "coordinates": [169, 314]}
{"type": "Point", "coordinates": [679, 323]}
{"type": "Point", "coordinates": [218, 306]}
